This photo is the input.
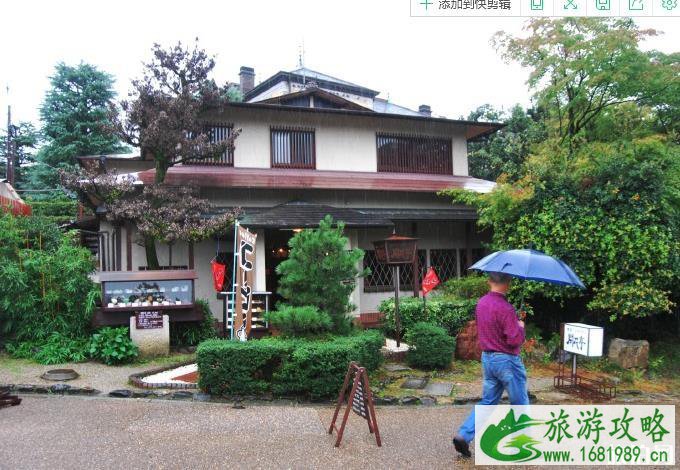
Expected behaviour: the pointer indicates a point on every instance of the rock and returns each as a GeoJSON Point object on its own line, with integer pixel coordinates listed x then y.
{"type": "Point", "coordinates": [628, 353]}
{"type": "Point", "coordinates": [428, 401]}
{"type": "Point", "coordinates": [183, 350]}
{"type": "Point", "coordinates": [182, 395]}
{"type": "Point", "coordinates": [25, 388]}
{"type": "Point", "coordinates": [191, 349]}
{"type": "Point", "coordinates": [467, 346]}
{"type": "Point", "coordinates": [142, 394]}
{"type": "Point", "coordinates": [82, 391]}
{"type": "Point", "coordinates": [409, 400]}
{"type": "Point", "coordinates": [386, 401]}
{"type": "Point", "coordinates": [238, 406]}
{"type": "Point", "coordinates": [122, 393]}
{"type": "Point", "coordinates": [59, 388]}
{"type": "Point", "coordinates": [202, 396]}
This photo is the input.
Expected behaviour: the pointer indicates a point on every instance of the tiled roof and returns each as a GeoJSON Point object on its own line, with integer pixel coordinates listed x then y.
{"type": "Point", "coordinates": [276, 178]}
{"type": "Point", "coordinates": [305, 214]}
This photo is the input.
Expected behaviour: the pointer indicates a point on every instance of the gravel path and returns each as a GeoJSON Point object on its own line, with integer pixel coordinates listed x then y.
{"type": "Point", "coordinates": [52, 432]}
{"type": "Point", "coordinates": [92, 374]}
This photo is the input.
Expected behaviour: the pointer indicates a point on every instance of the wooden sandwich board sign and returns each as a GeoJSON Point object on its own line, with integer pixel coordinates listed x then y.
{"type": "Point", "coordinates": [359, 400]}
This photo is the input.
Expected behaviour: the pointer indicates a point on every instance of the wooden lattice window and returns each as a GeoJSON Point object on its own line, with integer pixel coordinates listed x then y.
{"type": "Point", "coordinates": [445, 263]}
{"type": "Point", "coordinates": [414, 154]}
{"type": "Point", "coordinates": [292, 148]}
{"type": "Point", "coordinates": [381, 278]}
{"type": "Point", "coordinates": [218, 133]}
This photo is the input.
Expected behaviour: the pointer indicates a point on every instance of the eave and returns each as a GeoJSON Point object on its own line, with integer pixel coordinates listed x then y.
{"type": "Point", "coordinates": [274, 178]}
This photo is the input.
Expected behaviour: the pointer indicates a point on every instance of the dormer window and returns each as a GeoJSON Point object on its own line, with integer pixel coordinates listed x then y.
{"type": "Point", "coordinates": [293, 148]}
{"type": "Point", "coordinates": [399, 153]}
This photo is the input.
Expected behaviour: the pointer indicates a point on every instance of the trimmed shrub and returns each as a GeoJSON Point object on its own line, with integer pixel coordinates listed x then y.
{"type": "Point", "coordinates": [300, 321]}
{"type": "Point", "coordinates": [430, 346]}
{"type": "Point", "coordinates": [468, 287]}
{"type": "Point", "coordinates": [311, 368]}
{"type": "Point", "coordinates": [113, 346]}
{"type": "Point", "coordinates": [450, 314]}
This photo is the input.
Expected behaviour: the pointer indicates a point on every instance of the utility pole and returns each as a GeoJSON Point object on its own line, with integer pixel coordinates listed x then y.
{"type": "Point", "coordinates": [9, 153]}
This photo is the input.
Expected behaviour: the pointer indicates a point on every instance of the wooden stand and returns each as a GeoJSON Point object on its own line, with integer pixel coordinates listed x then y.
{"type": "Point", "coordinates": [360, 400]}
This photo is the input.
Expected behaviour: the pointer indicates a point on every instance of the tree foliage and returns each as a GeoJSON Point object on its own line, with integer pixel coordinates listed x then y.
{"type": "Point", "coordinates": [44, 281]}
{"type": "Point", "coordinates": [165, 113]}
{"type": "Point", "coordinates": [320, 271]}
{"type": "Point", "coordinates": [583, 66]}
{"type": "Point", "coordinates": [75, 119]}
{"type": "Point", "coordinates": [602, 190]}
{"type": "Point", "coordinates": [160, 212]}
{"type": "Point", "coordinates": [503, 153]}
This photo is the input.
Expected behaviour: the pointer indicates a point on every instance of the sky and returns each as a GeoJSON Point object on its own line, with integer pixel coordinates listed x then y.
{"type": "Point", "coordinates": [447, 63]}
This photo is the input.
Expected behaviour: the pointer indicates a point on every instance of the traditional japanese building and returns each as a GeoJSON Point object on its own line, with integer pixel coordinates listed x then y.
{"type": "Point", "coordinates": [312, 145]}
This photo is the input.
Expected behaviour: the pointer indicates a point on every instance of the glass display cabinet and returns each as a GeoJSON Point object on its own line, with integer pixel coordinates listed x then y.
{"type": "Point", "coordinates": [170, 292]}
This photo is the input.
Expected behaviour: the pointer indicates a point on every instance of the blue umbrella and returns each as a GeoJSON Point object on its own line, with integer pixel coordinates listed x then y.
{"type": "Point", "coordinates": [531, 265]}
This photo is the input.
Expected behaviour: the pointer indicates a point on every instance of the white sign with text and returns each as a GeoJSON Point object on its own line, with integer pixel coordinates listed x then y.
{"type": "Point", "coordinates": [582, 339]}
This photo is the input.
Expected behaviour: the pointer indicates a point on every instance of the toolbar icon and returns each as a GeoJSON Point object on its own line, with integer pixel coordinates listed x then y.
{"type": "Point", "coordinates": [636, 5]}
{"type": "Point", "coordinates": [669, 4]}
{"type": "Point", "coordinates": [603, 5]}
{"type": "Point", "coordinates": [537, 4]}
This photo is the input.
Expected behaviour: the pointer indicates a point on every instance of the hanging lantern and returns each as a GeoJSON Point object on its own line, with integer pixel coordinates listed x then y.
{"type": "Point", "coordinates": [396, 249]}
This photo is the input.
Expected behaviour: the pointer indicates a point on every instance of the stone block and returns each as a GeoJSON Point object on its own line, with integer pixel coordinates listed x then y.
{"type": "Point", "coordinates": [151, 342]}
{"type": "Point", "coordinates": [628, 353]}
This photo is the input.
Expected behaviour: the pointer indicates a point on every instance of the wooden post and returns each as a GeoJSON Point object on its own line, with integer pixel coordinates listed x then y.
{"type": "Point", "coordinates": [397, 318]}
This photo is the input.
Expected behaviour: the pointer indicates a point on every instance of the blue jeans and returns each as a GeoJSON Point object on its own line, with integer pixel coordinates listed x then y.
{"type": "Point", "coordinates": [501, 371]}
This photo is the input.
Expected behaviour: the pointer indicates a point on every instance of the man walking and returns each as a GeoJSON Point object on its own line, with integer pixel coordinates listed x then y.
{"type": "Point", "coordinates": [501, 336]}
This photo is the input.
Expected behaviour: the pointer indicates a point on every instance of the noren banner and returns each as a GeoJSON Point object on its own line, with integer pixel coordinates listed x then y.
{"type": "Point", "coordinates": [245, 280]}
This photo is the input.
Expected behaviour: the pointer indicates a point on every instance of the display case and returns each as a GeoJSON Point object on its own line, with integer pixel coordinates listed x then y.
{"type": "Point", "coordinates": [127, 292]}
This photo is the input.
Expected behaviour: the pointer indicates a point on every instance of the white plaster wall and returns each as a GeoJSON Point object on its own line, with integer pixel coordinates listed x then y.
{"type": "Point", "coordinates": [343, 142]}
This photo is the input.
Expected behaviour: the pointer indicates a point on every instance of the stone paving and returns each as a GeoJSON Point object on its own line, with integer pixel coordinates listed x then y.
{"type": "Point", "coordinates": [55, 432]}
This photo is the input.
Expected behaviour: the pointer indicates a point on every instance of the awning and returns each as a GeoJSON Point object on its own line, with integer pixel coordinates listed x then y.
{"type": "Point", "coordinates": [302, 214]}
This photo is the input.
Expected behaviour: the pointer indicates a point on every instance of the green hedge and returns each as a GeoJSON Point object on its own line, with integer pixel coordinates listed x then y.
{"type": "Point", "coordinates": [450, 314]}
{"type": "Point", "coordinates": [431, 347]}
{"type": "Point", "coordinates": [310, 368]}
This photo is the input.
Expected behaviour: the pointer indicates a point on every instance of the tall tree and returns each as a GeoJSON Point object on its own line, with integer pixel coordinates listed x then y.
{"type": "Point", "coordinates": [602, 190]}
{"type": "Point", "coordinates": [25, 139]}
{"type": "Point", "coordinates": [75, 119]}
{"type": "Point", "coordinates": [580, 67]}
{"type": "Point", "coordinates": [504, 152]}
{"type": "Point", "coordinates": [164, 115]}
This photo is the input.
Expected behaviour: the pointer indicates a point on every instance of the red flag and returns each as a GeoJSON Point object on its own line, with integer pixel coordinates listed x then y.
{"type": "Point", "coordinates": [218, 271]}
{"type": "Point", "coordinates": [430, 281]}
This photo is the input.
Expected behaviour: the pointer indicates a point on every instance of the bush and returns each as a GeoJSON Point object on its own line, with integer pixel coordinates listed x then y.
{"type": "Point", "coordinates": [322, 272]}
{"type": "Point", "coordinates": [300, 321]}
{"type": "Point", "coordinates": [192, 333]}
{"type": "Point", "coordinates": [310, 368]}
{"type": "Point", "coordinates": [468, 287]}
{"type": "Point", "coordinates": [450, 314]}
{"type": "Point", "coordinates": [45, 282]}
{"type": "Point", "coordinates": [430, 346]}
{"type": "Point", "coordinates": [56, 349]}
{"type": "Point", "coordinates": [113, 346]}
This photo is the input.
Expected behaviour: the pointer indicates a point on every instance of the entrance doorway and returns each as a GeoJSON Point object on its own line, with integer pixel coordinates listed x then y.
{"type": "Point", "coordinates": [276, 251]}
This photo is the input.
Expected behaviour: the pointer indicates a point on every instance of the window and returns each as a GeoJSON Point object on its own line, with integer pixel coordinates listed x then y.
{"type": "Point", "coordinates": [445, 263]}
{"type": "Point", "coordinates": [414, 154]}
{"type": "Point", "coordinates": [218, 133]}
{"type": "Point", "coordinates": [292, 148]}
{"type": "Point", "coordinates": [380, 279]}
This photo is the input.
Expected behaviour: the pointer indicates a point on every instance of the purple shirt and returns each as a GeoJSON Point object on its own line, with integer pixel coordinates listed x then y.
{"type": "Point", "coordinates": [497, 327]}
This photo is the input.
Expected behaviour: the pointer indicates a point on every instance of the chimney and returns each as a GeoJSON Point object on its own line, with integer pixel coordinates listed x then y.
{"type": "Point", "coordinates": [247, 76]}
{"type": "Point", "coordinates": [425, 110]}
